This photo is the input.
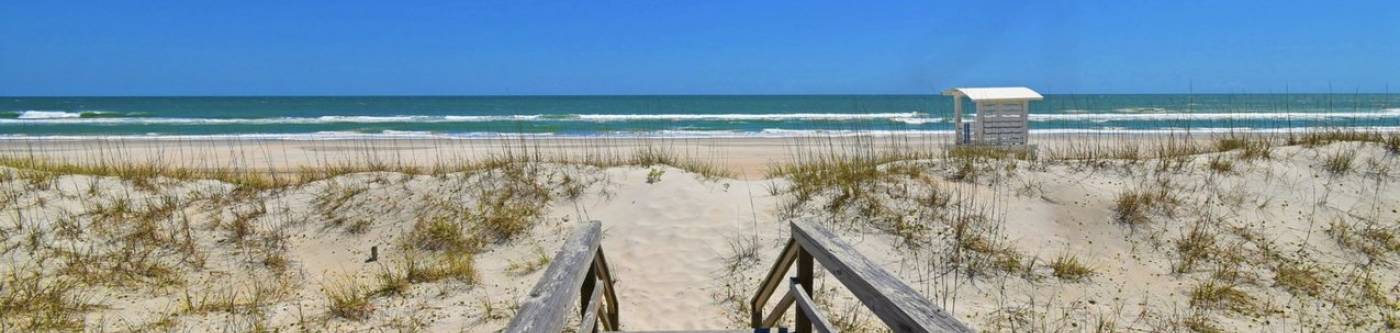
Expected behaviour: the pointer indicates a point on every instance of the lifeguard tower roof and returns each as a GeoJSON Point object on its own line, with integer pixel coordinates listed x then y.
{"type": "Point", "coordinates": [995, 94]}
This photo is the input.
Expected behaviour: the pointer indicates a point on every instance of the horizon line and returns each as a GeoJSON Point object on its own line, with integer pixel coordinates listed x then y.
{"type": "Point", "coordinates": [668, 95]}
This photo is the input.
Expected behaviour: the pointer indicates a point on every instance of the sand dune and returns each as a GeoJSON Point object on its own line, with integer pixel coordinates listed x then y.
{"type": "Point", "coordinates": [1217, 240]}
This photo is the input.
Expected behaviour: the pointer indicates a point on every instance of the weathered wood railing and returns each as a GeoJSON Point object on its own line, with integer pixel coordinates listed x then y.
{"type": "Point", "coordinates": [574, 271]}
{"type": "Point", "coordinates": [896, 304]}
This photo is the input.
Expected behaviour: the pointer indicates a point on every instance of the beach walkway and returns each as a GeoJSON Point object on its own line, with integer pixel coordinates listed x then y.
{"type": "Point", "coordinates": [580, 272]}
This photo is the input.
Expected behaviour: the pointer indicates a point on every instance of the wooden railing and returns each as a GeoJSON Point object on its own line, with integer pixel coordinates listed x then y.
{"type": "Point", "coordinates": [574, 272]}
{"type": "Point", "coordinates": [896, 304]}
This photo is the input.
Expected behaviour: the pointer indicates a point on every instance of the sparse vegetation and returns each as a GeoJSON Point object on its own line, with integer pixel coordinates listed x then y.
{"type": "Point", "coordinates": [1133, 207]}
{"type": "Point", "coordinates": [1069, 268]}
{"type": "Point", "coordinates": [1339, 162]}
{"type": "Point", "coordinates": [1219, 164]}
{"type": "Point", "coordinates": [654, 175]}
{"type": "Point", "coordinates": [1216, 295]}
{"type": "Point", "coordinates": [347, 298]}
{"type": "Point", "coordinates": [1298, 279]}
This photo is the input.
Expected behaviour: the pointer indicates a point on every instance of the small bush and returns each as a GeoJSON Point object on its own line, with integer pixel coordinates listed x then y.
{"type": "Point", "coordinates": [654, 175]}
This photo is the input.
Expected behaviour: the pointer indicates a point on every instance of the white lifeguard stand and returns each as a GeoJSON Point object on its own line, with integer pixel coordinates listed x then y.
{"type": "Point", "coordinates": [1001, 115]}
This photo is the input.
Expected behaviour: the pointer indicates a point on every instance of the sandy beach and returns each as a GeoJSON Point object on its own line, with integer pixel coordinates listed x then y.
{"type": "Point", "coordinates": [747, 158]}
{"type": "Point", "coordinates": [1074, 239]}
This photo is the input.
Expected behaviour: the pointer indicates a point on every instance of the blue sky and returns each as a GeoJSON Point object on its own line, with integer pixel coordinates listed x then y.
{"type": "Point", "coordinates": [693, 47]}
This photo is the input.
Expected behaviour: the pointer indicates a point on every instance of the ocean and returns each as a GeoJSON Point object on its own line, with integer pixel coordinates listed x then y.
{"type": "Point", "coordinates": [317, 118]}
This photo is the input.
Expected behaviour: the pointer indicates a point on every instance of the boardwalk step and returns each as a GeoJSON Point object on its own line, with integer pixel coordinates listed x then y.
{"type": "Point", "coordinates": [709, 331]}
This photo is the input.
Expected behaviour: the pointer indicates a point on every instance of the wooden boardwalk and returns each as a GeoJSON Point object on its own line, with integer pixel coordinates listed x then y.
{"type": "Point", "coordinates": [580, 271]}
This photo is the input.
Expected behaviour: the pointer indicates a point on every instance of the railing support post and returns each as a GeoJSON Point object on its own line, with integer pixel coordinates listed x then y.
{"type": "Point", "coordinates": [586, 291]}
{"type": "Point", "coordinates": [804, 277]}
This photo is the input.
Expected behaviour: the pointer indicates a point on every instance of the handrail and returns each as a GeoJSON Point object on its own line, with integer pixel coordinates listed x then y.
{"type": "Point", "coordinates": [575, 270]}
{"type": "Point", "coordinates": [770, 284]}
{"type": "Point", "coordinates": [896, 304]}
{"type": "Point", "coordinates": [808, 307]}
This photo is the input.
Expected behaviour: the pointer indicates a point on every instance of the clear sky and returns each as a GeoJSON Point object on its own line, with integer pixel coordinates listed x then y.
{"type": "Point", "coordinates": [693, 47]}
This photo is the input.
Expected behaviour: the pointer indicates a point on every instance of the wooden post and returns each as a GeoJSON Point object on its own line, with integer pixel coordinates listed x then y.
{"type": "Point", "coordinates": [608, 292]}
{"type": "Point", "coordinates": [586, 293]}
{"type": "Point", "coordinates": [957, 119]}
{"type": "Point", "coordinates": [804, 277]}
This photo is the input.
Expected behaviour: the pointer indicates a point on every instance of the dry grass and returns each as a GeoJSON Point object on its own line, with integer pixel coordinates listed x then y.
{"type": "Point", "coordinates": [1069, 268]}
{"type": "Point", "coordinates": [1318, 138]}
{"type": "Point", "coordinates": [347, 298]}
{"type": "Point", "coordinates": [1373, 240]}
{"type": "Point", "coordinates": [30, 301]}
{"type": "Point", "coordinates": [1198, 245]}
{"type": "Point", "coordinates": [1299, 279]}
{"type": "Point", "coordinates": [1339, 162]}
{"type": "Point", "coordinates": [1134, 207]}
{"type": "Point", "coordinates": [1219, 164]}
{"type": "Point", "coordinates": [1219, 296]}
{"type": "Point", "coordinates": [538, 260]}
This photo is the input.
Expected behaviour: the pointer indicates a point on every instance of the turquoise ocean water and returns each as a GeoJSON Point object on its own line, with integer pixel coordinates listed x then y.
{"type": "Point", "coordinates": [662, 116]}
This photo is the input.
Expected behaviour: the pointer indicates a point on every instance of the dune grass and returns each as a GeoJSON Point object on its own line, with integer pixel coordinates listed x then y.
{"type": "Point", "coordinates": [1069, 267]}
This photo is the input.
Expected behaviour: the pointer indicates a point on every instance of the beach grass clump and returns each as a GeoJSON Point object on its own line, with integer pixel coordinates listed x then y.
{"type": "Point", "coordinates": [983, 153]}
{"type": "Point", "coordinates": [1198, 245]}
{"type": "Point", "coordinates": [461, 268]}
{"type": "Point", "coordinates": [1069, 267]}
{"type": "Point", "coordinates": [1318, 138]}
{"type": "Point", "coordinates": [1220, 296]}
{"type": "Point", "coordinates": [440, 234]}
{"type": "Point", "coordinates": [347, 298]}
{"type": "Point", "coordinates": [1219, 164]}
{"type": "Point", "coordinates": [246, 298]}
{"type": "Point", "coordinates": [334, 199]}
{"type": "Point", "coordinates": [1339, 162]}
{"type": "Point", "coordinates": [1199, 323]}
{"type": "Point", "coordinates": [31, 301]}
{"type": "Point", "coordinates": [850, 176]}
{"type": "Point", "coordinates": [413, 268]}
{"type": "Point", "coordinates": [1257, 149]}
{"type": "Point", "coordinates": [978, 249]}
{"type": "Point", "coordinates": [1230, 143]}
{"type": "Point", "coordinates": [1130, 151]}
{"type": "Point", "coordinates": [646, 156]}
{"type": "Point", "coordinates": [1298, 278]}
{"type": "Point", "coordinates": [1376, 242]}
{"type": "Point", "coordinates": [1133, 207]}
{"type": "Point", "coordinates": [1392, 144]}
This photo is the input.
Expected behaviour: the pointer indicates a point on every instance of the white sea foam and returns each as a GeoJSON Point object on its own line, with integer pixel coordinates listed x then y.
{"type": "Point", "coordinates": [665, 134]}
{"type": "Point", "coordinates": [1140, 110]}
{"type": "Point", "coordinates": [917, 121]}
{"type": "Point", "coordinates": [748, 116]}
{"type": "Point", "coordinates": [74, 118]}
{"type": "Point", "coordinates": [41, 114]}
{"type": "Point", "coordinates": [912, 118]}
